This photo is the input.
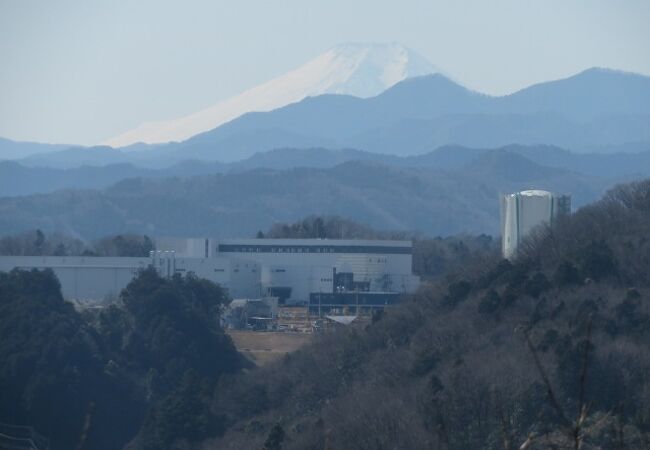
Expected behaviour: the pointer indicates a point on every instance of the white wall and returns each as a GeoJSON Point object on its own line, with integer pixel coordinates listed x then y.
{"type": "Point", "coordinates": [96, 278]}
{"type": "Point", "coordinates": [522, 212]}
{"type": "Point", "coordinates": [82, 278]}
{"type": "Point", "coordinates": [245, 274]}
{"type": "Point", "coordinates": [303, 271]}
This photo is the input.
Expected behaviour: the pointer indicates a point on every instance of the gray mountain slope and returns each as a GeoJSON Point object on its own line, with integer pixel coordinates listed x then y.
{"type": "Point", "coordinates": [595, 107]}
{"type": "Point", "coordinates": [13, 150]}
{"type": "Point", "coordinates": [16, 179]}
{"type": "Point", "coordinates": [432, 201]}
{"type": "Point", "coordinates": [595, 110]}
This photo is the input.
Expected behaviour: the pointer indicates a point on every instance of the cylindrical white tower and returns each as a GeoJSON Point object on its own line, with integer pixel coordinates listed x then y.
{"type": "Point", "coordinates": [523, 211]}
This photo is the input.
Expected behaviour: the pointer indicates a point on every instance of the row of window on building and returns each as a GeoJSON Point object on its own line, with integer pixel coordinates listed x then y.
{"type": "Point", "coordinates": [250, 249]}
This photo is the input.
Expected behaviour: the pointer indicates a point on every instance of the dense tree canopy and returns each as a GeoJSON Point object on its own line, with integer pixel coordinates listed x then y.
{"type": "Point", "coordinates": [37, 243]}
{"type": "Point", "coordinates": [52, 367]}
{"type": "Point", "coordinates": [135, 367]}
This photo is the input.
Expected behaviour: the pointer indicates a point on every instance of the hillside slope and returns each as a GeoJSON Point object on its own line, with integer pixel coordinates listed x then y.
{"type": "Point", "coordinates": [21, 179]}
{"type": "Point", "coordinates": [595, 107]}
{"type": "Point", "coordinates": [491, 357]}
{"type": "Point", "coordinates": [597, 110]}
{"type": "Point", "coordinates": [434, 202]}
{"type": "Point", "coordinates": [361, 70]}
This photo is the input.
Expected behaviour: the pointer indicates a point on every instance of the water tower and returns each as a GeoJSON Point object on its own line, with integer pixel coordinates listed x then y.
{"type": "Point", "coordinates": [523, 211]}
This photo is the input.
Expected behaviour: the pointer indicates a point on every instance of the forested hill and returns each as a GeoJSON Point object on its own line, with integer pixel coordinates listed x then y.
{"type": "Point", "coordinates": [98, 167]}
{"type": "Point", "coordinates": [141, 370]}
{"type": "Point", "coordinates": [433, 201]}
{"type": "Point", "coordinates": [491, 357]}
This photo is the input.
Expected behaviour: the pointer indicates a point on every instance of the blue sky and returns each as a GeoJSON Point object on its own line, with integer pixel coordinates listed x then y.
{"type": "Point", "coordinates": [83, 71]}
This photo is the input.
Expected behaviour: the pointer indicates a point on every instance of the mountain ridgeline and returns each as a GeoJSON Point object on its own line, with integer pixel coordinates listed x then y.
{"type": "Point", "coordinates": [358, 69]}
{"type": "Point", "coordinates": [103, 167]}
{"type": "Point", "coordinates": [596, 107]}
{"type": "Point", "coordinates": [450, 191]}
{"type": "Point", "coordinates": [595, 110]}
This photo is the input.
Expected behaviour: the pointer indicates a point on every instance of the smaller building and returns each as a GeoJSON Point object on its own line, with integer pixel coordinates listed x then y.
{"type": "Point", "coordinates": [251, 313]}
{"type": "Point", "coordinates": [522, 211]}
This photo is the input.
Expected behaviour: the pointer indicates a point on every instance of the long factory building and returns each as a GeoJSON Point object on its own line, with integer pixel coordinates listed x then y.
{"type": "Point", "coordinates": [323, 272]}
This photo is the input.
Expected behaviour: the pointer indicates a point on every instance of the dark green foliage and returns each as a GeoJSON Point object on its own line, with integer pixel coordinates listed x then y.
{"type": "Point", "coordinates": [490, 303]}
{"type": "Point", "coordinates": [327, 227]}
{"type": "Point", "coordinates": [566, 274]}
{"type": "Point", "coordinates": [177, 323]}
{"type": "Point", "coordinates": [597, 261]}
{"type": "Point", "coordinates": [458, 291]}
{"type": "Point", "coordinates": [124, 245]}
{"type": "Point", "coordinates": [494, 273]}
{"type": "Point", "coordinates": [425, 362]}
{"type": "Point", "coordinates": [434, 257]}
{"type": "Point", "coordinates": [174, 337]}
{"type": "Point", "coordinates": [37, 243]}
{"type": "Point", "coordinates": [51, 367]}
{"type": "Point", "coordinates": [536, 285]}
{"type": "Point", "coordinates": [184, 413]}
{"type": "Point", "coordinates": [275, 438]}
{"type": "Point", "coordinates": [548, 340]}
{"type": "Point", "coordinates": [630, 313]}
{"type": "Point", "coordinates": [152, 360]}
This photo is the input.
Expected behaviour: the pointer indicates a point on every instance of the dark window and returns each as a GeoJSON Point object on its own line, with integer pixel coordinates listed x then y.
{"type": "Point", "coordinates": [390, 250]}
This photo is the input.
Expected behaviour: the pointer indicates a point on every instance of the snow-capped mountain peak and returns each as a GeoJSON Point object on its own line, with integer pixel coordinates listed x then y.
{"type": "Point", "coordinates": [362, 70]}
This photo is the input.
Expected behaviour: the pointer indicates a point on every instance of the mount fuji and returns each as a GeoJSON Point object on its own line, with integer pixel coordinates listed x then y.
{"type": "Point", "coordinates": [360, 70]}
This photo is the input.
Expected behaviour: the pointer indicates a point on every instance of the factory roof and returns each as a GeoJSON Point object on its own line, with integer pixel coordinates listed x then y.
{"type": "Point", "coordinates": [328, 242]}
{"type": "Point", "coordinates": [535, 193]}
{"type": "Point", "coordinates": [343, 320]}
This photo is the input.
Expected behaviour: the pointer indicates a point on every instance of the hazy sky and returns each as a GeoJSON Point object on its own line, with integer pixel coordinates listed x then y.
{"type": "Point", "coordinates": [83, 71]}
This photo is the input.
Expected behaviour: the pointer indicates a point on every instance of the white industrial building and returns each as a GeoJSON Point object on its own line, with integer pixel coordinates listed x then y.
{"type": "Point", "coordinates": [522, 211]}
{"type": "Point", "coordinates": [330, 273]}
{"type": "Point", "coordinates": [93, 278]}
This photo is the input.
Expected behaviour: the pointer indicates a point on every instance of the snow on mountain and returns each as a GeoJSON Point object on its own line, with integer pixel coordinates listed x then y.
{"type": "Point", "coordinates": [362, 70]}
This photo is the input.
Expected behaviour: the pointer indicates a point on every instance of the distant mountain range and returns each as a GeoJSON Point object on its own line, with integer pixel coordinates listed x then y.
{"type": "Point", "coordinates": [403, 152]}
{"type": "Point", "coordinates": [449, 191]}
{"type": "Point", "coordinates": [597, 110]}
{"type": "Point", "coordinates": [595, 107]}
{"type": "Point", "coordinates": [17, 150]}
{"type": "Point", "coordinates": [18, 179]}
{"type": "Point", "coordinates": [361, 70]}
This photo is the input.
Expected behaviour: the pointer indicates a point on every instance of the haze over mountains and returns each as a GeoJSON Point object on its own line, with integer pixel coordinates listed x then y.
{"type": "Point", "coordinates": [594, 108]}
{"type": "Point", "coordinates": [19, 179]}
{"type": "Point", "coordinates": [595, 111]}
{"type": "Point", "coordinates": [449, 191]}
{"type": "Point", "coordinates": [425, 154]}
{"type": "Point", "coordinates": [361, 70]}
